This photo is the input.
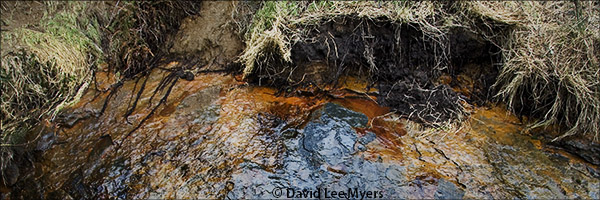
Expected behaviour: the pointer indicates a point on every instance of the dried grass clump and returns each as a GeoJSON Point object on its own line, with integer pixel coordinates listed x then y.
{"type": "Point", "coordinates": [43, 70]}
{"type": "Point", "coordinates": [266, 36]}
{"type": "Point", "coordinates": [44, 67]}
{"type": "Point", "coordinates": [278, 25]}
{"type": "Point", "coordinates": [47, 65]}
{"type": "Point", "coordinates": [267, 42]}
{"type": "Point", "coordinates": [551, 63]}
{"type": "Point", "coordinates": [550, 53]}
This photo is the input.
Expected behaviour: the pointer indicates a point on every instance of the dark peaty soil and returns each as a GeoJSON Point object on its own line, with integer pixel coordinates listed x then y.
{"type": "Point", "coordinates": [402, 62]}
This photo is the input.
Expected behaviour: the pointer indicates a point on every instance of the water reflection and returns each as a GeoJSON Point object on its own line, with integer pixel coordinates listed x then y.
{"type": "Point", "coordinates": [220, 138]}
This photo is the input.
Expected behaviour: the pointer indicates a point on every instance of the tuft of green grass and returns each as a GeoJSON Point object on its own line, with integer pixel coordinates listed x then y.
{"type": "Point", "coordinates": [45, 67]}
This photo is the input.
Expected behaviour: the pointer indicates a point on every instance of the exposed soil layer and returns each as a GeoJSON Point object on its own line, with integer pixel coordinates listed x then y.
{"type": "Point", "coordinates": [404, 63]}
{"type": "Point", "coordinates": [209, 35]}
{"type": "Point", "coordinates": [139, 36]}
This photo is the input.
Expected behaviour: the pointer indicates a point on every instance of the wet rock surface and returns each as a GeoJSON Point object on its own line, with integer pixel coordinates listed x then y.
{"type": "Point", "coordinates": [585, 148]}
{"type": "Point", "coordinates": [323, 159]}
{"type": "Point", "coordinates": [219, 138]}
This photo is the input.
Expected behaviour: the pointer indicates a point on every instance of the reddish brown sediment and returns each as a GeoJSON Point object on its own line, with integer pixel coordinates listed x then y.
{"type": "Point", "coordinates": [212, 126]}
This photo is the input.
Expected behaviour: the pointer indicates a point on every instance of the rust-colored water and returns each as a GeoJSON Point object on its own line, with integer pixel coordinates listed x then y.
{"type": "Point", "coordinates": [210, 126]}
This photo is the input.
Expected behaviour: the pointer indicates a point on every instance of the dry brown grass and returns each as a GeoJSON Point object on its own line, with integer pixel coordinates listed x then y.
{"type": "Point", "coordinates": [551, 61]}
{"type": "Point", "coordinates": [277, 25]}
{"type": "Point", "coordinates": [47, 64]}
{"type": "Point", "coordinates": [43, 68]}
{"type": "Point", "coordinates": [550, 49]}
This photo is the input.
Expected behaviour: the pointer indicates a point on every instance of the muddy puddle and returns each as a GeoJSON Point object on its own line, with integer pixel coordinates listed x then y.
{"type": "Point", "coordinates": [217, 137]}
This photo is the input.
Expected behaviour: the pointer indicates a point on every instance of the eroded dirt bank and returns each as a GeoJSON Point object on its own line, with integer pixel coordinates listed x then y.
{"type": "Point", "coordinates": [411, 75]}
{"type": "Point", "coordinates": [334, 128]}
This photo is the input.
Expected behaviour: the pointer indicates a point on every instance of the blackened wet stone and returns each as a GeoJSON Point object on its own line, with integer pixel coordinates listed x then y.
{"type": "Point", "coordinates": [46, 141]}
{"type": "Point", "coordinates": [448, 190]}
{"type": "Point", "coordinates": [586, 149]}
{"type": "Point", "coordinates": [367, 138]}
{"type": "Point", "coordinates": [331, 137]}
{"type": "Point", "coordinates": [339, 113]}
{"type": "Point", "coordinates": [322, 156]}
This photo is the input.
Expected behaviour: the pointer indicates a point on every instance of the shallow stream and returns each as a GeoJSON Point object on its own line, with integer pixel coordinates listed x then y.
{"type": "Point", "coordinates": [217, 137]}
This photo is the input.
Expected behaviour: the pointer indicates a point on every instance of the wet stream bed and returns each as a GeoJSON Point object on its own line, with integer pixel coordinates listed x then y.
{"type": "Point", "coordinates": [217, 137]}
